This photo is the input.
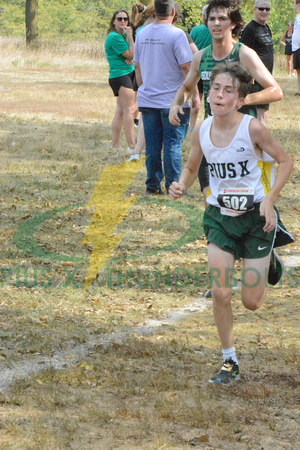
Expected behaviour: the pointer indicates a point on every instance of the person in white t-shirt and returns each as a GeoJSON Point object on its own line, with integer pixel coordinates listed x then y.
{"type": "Point", "coordinates": [162, 58]}
{"type": "Point", "coordinates": [296, 43]}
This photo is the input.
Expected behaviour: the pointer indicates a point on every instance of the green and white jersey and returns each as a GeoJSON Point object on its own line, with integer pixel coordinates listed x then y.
{"type": "Point", "coordinates": [206, 66]}
{"type": "Point", "coordinates": [235, 166]}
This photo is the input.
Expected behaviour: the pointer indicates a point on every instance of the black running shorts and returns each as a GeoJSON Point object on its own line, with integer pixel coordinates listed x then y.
{"type": "Point", "coordinates": [127, 81]}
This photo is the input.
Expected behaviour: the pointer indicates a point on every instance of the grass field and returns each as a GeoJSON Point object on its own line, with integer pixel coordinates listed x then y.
{"type": "Point", "coordinates": [125, 363]}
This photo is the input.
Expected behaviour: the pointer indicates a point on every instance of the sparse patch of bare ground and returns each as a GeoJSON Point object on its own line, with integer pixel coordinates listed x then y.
{"type": "Point", "coordinates": [143, 390]}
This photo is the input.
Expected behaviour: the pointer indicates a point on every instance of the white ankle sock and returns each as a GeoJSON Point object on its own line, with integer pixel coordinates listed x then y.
{"type": "Point", "coordinates": [229, 353]}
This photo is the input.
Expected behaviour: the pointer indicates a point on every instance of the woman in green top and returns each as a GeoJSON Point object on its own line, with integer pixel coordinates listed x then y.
{"type": "Point", "coordinates": [119, 48]}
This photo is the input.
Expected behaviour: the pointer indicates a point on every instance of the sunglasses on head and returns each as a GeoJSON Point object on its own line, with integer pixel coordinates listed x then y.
{"type": "Point", "coordinates": [119, 19]}
{"type": "Point", "coordinates": [263, 9]}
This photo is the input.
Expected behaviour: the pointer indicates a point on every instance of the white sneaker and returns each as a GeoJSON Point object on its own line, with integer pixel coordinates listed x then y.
{"type": "Point", "coordinates": [130, 151]}
{"type": "Point", "coordinates": [293, 75]}
{"type": "Point", "coordinates": [134, 157]}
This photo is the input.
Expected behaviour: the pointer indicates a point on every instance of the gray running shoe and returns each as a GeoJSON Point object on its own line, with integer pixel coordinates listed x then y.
{"type": "Point", "coordinates": [228, 373]}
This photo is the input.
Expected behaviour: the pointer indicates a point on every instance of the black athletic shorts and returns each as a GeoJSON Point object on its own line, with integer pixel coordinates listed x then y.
{"type": "Point", "coordinates": [203, 174]}
{"type": "Point", "coordinates": [296, 59]}
{"type": "Point", "coordinates": [258, 88]}
{"type": "Point", "coordinates": [127, 81]}
{"type": "Point", "coordinates": [288, 50]}
{"type": "Point", "coordinates": [200, 86]}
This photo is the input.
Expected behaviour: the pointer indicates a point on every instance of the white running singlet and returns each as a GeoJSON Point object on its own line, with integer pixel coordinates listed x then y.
{"type": "Point", "coordinates": [237, 165]}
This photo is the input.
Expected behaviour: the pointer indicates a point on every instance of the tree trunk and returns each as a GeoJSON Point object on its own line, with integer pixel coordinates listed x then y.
{"type": "Point", "coordinates": [31, 15]}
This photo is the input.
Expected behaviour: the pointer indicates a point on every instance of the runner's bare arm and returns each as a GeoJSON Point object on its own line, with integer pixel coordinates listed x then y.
{"type": "Point", "coordinates": [186, 90]}
{"type": "Point", "coordinates": [185, 69]}
{"type": "Point", "coordinates": [272, 91]}
{"type": "Point", "coordinates": [190, 172]}
{"type": "Point", "coordinates": [262, 137]}
{"type": "Point", "coordinates": [138, 74]}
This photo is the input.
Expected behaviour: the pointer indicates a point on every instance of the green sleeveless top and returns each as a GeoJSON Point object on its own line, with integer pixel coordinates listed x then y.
{"type": "Point", "coordinates": [207, 64]}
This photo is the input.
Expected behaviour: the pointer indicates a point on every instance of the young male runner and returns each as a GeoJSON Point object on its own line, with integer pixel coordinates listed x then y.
{"type": "Point", "coordinates": [224, 21]}
{"type": "Point", "coordinates": [240, 221]}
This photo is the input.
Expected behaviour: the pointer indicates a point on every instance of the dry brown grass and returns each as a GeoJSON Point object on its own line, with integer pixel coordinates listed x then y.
{"type": "Point", "coordinates": [136, 386]}
{"type": "Point", "coordinates": [52, 53]}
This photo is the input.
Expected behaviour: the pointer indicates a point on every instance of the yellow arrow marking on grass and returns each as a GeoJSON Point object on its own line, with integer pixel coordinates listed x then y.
{"type": "Point", "coordinates": [109, 212]}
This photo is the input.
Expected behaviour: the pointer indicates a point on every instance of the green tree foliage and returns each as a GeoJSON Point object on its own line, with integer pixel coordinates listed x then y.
{"type": "Point", "coordinates": [12, 17]}
{"type": "Point", "coordinates": [191, 13]}
{"type": "Point", "coordinates": [62, 17]}
{"type": "Point", "coordinates": [89, 18]}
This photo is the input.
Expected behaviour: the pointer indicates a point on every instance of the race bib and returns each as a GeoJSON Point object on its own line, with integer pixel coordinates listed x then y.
{"type": "Point", "coordinates": [236, 201]}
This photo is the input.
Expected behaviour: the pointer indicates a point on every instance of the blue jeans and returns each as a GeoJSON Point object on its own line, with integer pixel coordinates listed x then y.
{"type": "Point", "coordinates": [160, 134]}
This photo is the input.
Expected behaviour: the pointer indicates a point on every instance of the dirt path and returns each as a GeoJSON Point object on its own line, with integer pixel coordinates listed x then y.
{"type": "Point", "coordinates": [74, 353]}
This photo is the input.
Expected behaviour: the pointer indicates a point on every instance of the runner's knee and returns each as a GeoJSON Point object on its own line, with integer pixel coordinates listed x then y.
{"type": "Point", "coordinates": [252, 301]}
{"type": "Point", "coordinates": [222, 296]}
